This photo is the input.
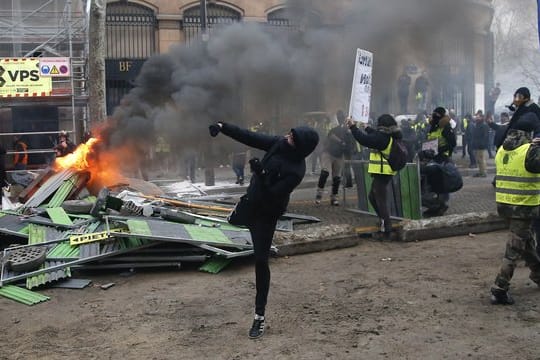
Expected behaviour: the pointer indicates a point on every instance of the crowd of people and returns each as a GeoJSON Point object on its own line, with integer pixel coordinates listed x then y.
{"type": "Point", "coordinates": [513, 141]}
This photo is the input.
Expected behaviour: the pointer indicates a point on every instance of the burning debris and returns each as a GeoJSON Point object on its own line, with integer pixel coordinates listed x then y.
{"type": "Point", "coordinates": [61, 223]}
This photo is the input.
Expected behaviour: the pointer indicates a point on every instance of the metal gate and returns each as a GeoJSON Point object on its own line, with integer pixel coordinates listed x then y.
{"type": "Point", "coordinates": [217, 16]}
{"type": "Point", "coordinates": [288, 23]}
{"type": "Point", "coordinates": [131, 39]}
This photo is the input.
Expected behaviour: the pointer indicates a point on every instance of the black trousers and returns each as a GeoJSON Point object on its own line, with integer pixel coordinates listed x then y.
{"type": "Point", "coordinates": [262, 232]}
{"type": "Point", "coordinates": [378, 197]}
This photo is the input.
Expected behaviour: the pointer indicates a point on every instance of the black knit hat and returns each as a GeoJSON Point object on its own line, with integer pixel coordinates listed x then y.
{"type": "Point", "coordinates": [386, 120]}
{"type": "Point", "coordinates": [523, 91]}
{"type": "Point", "coordinates": [440, 111]}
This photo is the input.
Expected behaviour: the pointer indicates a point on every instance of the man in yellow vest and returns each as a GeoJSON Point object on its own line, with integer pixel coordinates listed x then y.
{"type": "Point", "coordinates": [379, 141]}
{"type": "Point", "coordinates": [518, 199]}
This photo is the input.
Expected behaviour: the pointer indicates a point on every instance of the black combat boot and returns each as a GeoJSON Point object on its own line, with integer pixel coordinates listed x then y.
{"type": "Point", "coordinates": [501, 297]}
{"type": "Point", "coordinates": [336, 181]}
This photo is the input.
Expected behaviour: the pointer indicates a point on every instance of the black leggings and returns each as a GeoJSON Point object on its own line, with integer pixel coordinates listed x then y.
{"type": "Point", "coordinates": [378, 198]}
{"type": "Point", "coordinates": [262, 232]}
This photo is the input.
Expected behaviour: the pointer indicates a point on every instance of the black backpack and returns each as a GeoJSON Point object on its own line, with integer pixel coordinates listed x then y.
{"type": "Point", "coordinates": [398, 155]}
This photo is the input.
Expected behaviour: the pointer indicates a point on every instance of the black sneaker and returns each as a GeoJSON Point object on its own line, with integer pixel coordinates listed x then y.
{"type": "Point", "coordinates": [257, 328]}
{"type": "Point", "coordinates": [499, 296]}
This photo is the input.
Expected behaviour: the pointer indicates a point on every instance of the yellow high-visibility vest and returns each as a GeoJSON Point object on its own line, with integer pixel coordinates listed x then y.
{"type": "Point", "coordinates": [514, 184]}
{"type": "Point", "coordinates": [465, 123]}
{"type": "Point", "coordinates": [441, 140]}
{"type": "Point", "coordinates": [162, 145]}
{"type": "Point", "coordinates": [378, 164]}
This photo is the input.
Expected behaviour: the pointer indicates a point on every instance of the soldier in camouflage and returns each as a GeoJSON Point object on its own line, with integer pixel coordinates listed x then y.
{"type": "Point", "coordinates": [518, 200]}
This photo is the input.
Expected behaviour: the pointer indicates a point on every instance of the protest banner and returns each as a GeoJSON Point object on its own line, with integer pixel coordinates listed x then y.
{"type": "Point", "coordinates": [361, 87]}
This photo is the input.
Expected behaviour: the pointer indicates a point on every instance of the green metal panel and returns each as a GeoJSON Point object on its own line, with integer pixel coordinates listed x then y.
{"type": "Point", "coordinates": [63, 250]}
{"type": "Point", "coordinates": [63, 192]}
{"type": "Point", "coordinates": [139, 227]}
{"type": "Point", "coordinates": [222, 226]}
{"type": "Point", "coordinates": [404, 194]}
{"type": "Point", "coordinates": [368, 180]}
{"type": "Point", "coordinates": [36, 234]}
{"type": "Point", "coordinates": [209, 234]}
{"type": "Point", "coordinates": [21, 295]}
{"type": "Point", "coordinates": [215, 264]}
{"type": "Point", "coordinates": [58, 216]}
{"type": "Point", "coordinates": [410, 192]}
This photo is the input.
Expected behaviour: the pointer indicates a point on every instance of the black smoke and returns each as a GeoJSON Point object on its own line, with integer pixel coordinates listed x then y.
{"type": "Point", "coordinates": [248, 73]}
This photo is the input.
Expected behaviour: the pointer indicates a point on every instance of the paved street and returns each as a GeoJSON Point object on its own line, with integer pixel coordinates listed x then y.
{"type": "Point", "coordinates": [477, 195]}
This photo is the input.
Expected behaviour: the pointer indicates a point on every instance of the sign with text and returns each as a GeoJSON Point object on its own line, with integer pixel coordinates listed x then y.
{"type": "Point", "coordinates": [19, 77]}
{"type": "Point", "coordinates": [123, 69]}
{"type": "Point", "coordinates": [54, 66]}
{"type": "Point", "coordinates": [361, 87]}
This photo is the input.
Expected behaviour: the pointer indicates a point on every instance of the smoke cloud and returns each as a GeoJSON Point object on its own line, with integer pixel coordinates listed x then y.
{"type": "Point", "coordinates": [249, 73]}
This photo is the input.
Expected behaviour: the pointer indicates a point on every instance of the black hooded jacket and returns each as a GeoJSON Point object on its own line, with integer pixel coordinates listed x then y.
{"type": "Point", "coordinates": [523, 120]}
{"type": "Point", "coordinates": [283, 166]}
{"type": "Point", "coordinates": [376, 139]}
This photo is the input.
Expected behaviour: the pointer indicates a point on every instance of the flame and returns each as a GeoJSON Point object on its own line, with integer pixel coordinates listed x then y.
{"type": "Point", "coordinates": [104, 165]}
{"type": "Point", "coordinates": [78, 160]}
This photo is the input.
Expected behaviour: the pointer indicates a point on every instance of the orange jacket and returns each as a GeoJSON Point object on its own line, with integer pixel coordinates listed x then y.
{"type": "Point", "coordinates": [19, 158]}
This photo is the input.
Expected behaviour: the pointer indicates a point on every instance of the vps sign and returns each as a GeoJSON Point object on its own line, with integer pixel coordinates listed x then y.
{"type": "Point", "coordinates": [19, 77]}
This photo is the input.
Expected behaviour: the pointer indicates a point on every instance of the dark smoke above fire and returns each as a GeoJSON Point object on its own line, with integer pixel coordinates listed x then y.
{"type": "Point", "coordinates": [249, 73]}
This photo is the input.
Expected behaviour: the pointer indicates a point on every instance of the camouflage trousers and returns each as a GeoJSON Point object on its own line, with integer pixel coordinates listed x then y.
{"type": "Point", "coordinates": [520, 245]}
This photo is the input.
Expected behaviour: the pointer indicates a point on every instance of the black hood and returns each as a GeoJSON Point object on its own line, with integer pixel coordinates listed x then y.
{"type": "Point", "coordinates": [305, 139]}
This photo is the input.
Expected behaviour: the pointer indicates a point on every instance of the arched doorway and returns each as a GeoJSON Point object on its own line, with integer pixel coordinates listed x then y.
{"type": "Point", "coordinates": [131, 39]}
{"type": "Point", "coordinates": [217, 16]}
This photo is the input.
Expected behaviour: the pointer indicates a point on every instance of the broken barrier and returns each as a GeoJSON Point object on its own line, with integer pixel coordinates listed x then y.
{"type": "Point", "coordinates": [404, 197]}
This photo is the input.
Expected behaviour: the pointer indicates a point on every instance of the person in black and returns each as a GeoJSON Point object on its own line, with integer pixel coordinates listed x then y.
{"type": "Point", "coordinates": [3, 176]}
{"type": "Point", "coordinates": [378, 140]}
{"type": "Point", "coordinates": [441, 130]}
{"type": "Point", "coordinates": [521, 105]}
{"type": "Point", "coordinates": [409, 138]}
{"type": "Point", "coordinates": [337, 148]}
{"type": "Point", "coordinates": [273, 179]}
{"type": "Point", "coordinates": [65, 145]}
{"type": "Point", "coordinates": [404, 83]}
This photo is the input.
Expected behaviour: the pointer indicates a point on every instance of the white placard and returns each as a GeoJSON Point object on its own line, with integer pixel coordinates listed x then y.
{"type": "Point", "coordinates": [431, 145]}
{"type": "Point", "coordinates": [54, 66]}
{"type": "Point", "coordinates": [361, 87]}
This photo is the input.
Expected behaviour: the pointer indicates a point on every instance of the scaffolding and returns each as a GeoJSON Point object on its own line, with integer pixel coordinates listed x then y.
{"type": "Point", "coordinates": [47, 29]}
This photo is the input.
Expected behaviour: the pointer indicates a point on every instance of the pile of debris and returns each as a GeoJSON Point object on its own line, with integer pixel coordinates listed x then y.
{"type": "Point", "coordinates": [59, 226]}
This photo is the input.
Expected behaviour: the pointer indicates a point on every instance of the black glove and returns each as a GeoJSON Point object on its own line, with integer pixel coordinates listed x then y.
{"type": "Point", "coordinates": [256, 166]}
{"type": "Point", "coordinates": [214, 130]}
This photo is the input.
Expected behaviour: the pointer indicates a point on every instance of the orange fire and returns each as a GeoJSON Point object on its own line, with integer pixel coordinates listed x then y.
{"type": "Point", "coordinates": [104, 166]}
{"type": "Point", "coordinates": [78, 160]}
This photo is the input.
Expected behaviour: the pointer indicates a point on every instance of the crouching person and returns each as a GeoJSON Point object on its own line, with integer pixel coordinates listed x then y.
{"type": "Point", "coordinates": [273, 179]}
{"type": "Point", "coordinates": [517, 193]}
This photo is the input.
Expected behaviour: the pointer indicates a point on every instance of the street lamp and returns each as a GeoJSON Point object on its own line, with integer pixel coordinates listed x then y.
{"type": "Point", "coordinates": [209, 175]}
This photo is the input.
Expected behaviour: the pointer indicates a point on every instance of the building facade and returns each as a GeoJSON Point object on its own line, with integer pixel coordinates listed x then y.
{"type": "Point", "coordinates": [457, 56]}
{"type": "Point", "coordinates": [460, 67]}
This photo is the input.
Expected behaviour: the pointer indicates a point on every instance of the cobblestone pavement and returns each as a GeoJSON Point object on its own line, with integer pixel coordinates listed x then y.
{"type": "Point", "coordinates": [477, 195]}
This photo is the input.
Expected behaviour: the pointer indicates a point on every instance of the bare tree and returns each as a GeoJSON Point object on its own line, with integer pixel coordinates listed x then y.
{"type": "Point", "coordinates": [517, 52]}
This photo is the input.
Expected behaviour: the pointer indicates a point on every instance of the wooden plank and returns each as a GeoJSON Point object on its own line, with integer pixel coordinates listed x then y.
{"type": "Point", "coordinates": [34, 185]}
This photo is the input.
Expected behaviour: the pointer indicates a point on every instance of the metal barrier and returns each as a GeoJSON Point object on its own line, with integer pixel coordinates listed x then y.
{"type": "Point", "coordinates": [404, 193]}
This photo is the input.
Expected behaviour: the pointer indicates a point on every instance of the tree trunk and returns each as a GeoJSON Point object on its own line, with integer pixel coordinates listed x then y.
{"type": "Point", "coordinates": [96, 62]}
